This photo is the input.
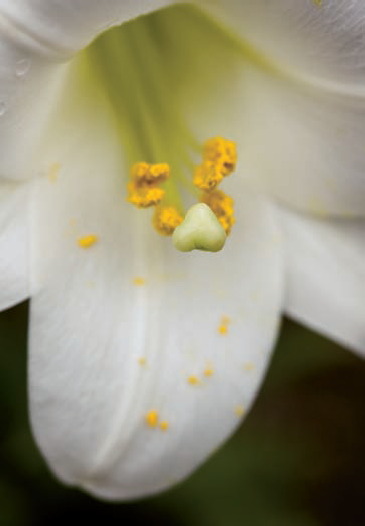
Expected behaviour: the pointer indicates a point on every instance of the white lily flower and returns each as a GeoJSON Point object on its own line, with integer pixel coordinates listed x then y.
{"type": "Point", "coordinates": [144, 359]}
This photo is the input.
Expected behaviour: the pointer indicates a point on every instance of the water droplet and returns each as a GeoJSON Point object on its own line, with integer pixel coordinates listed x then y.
{"type": "Point", "coordinates": [22, 67]}
{"type": "Point", "coordinates": [2, 108]}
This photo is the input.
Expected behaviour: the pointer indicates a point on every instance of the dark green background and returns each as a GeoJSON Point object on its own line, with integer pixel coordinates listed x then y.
{"type": "Point", "coordinates": [298, 459]}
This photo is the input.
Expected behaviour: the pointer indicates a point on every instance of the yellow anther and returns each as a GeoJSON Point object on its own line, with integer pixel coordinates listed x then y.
{"type": "Point", "coordinates": [152, 418]}
{"type": "Point", "coordinates": [222, 152]}
{"type": "Point", "coordinates": [143, 189]}
{"type": "Point", "coordinates": [159, 172]}
{"type": "Point", "coordinates": [144, 196]}
{"type": "Point", "coordinates": [166, 219]}
{"type": "Point", "coordinates": [87, 241]}
{"type": "Point", "coordinates": [222, 206]}
{"type": "Point", "coordinates": [145, 174]}
{"type": "Point", "coordinates": [208, 372]}
{"type": "Point", "coordinates": [223, 326]}
{"type": "Point", "coordinates": [207, 176]}
{"type": "Point", "coordinates": [193, 380]}
{"type": "Point", "coordinates": [164, 425]}
{"type": "Point", "coordinates": [138, 281]}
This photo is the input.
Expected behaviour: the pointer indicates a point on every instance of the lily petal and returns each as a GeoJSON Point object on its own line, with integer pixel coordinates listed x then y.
{"type": "Point", "coordinates": [301, 132]}
{"type": "Point", "coordinates": [14, 231]}
{"type": "Point", "coordinates": [323, 42]}
{"type": "Point", "coordinates": [129, 325]}
{"type": "Point", "coordinates": [326, 276]}
{"type": "Point", "coordinates": [36, 38]}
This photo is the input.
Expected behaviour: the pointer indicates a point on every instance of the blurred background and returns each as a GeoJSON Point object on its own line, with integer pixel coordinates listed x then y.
{"type": "Point", "coordinates": [298, 459]}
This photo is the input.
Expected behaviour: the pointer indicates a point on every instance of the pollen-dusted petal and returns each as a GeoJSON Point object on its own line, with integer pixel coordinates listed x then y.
{"type": "Point", "coordinates": [89, 397]}
{"type": "Point", "coordinates": [166, 219]}
{"type": "Point", "coordinates": [222, 206]}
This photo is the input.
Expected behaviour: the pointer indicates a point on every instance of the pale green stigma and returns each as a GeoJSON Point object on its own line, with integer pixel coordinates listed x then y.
{"type": "Point", "coordinates": [200, 230]}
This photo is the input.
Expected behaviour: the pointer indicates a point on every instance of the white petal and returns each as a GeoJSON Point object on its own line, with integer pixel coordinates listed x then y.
{"type": "Point", "coordinates": [14, 257]}
{"type": "Point", "coordinates": [35, 38]}
{"type": "Point", "coordinates": [326, 276]}
{"type": "Point", "coordinates": [323, 42]}
{"type": "Point", "coordinates": [300, 138]}
{"type": "Point", "coordinates": [60, 29]}
{"type": "Point", "coordinates": [91, 325]}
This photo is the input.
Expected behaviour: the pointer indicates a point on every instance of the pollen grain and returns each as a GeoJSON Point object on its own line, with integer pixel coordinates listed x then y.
{"type": "Point", "coordinates": [87, 241]}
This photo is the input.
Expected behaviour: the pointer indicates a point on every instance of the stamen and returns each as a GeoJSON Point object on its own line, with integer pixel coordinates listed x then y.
{"type": "Point", "coordinates": [219, 160]}
{"type": "Point", "coordinates": [143, 190]}
{"type": "Point", "coordinates": [166, 219]}
{"type": "Point", "coordinates": [221, 151]}
{"type": "Point", "coordinates": [222, 206]}
{"type": "Point", "coordinates": [207, 176]}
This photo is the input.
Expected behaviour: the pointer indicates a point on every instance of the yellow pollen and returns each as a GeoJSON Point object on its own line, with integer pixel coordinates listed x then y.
{"type": "Point", "coordinates": [152, 418]}
{"type": "Point", "coordinates": [219, 150]}
{"type": "Point", "coordinates": [249, 366]}
{"type": "Point", "coordinates": [222, 206]}
{"type": "Point", "coordinates": [143, 188]}
{"type": "Point", "coordinates": [219, 160]}
{"type": "Point", "coordinates": [166, 219]}
{"type": "Point", "coordinates": [164, 425]}
{"type": "Point", "coordinates": [54, 171]}
{"type": "Point", "coordinates": [207, 176]}
{"type": "Point", "coordinates": [138, 281]}
{"type": "Point", "coordinates": [317, 2]}
{"type": "Point", "coordinates": [208, 372]}
{"type": "Point", "coordinates": [193, 380]}
{"type": "Point", "coordinates": [239, 410]}
{"type": "Point", "coordinates": [87, 241]}
{"type": "Point", "coordinates": [223, 327]}
{"type": "Point", "coordinates": [142, 360]}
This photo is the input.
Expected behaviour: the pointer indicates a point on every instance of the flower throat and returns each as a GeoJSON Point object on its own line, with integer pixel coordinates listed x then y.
{"type": "Point", "coordinates": [142, 66]}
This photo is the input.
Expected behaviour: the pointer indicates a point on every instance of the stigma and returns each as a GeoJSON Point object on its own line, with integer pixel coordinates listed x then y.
{"type": "Point", "coordinates": [206, 224]}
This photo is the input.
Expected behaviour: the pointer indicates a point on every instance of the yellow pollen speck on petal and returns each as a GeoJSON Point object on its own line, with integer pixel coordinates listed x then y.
{"type": "Point", "coordinates": [208, 372]}
{"type": "Point", "coordinates": [53, 172]}
{"type": "Point", "coordinates": [317, 2]}
{"type": "Point", "coordinates": [87, 241]}
{"type": "Point", "coordinates": [164, 425]}
{"type": "Point", "coordinates": [142, 361]}
{"type": "Point", "coordinates": [193, 380]}
{"type": "Point", "coordinates": [223, 326]}
{"type": "Point", "coordinates": [249, 366]}
{"type": "Point", "coordinates": [152, 418]}
{"type": "Point", "coordinates": [138, 281]}
{"type": "Point", "coordinates": [239, 410]}
{"type": "Point", "coordinates": [222, 206]}
{"type": "Point", "coordinates": [166, 219]}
